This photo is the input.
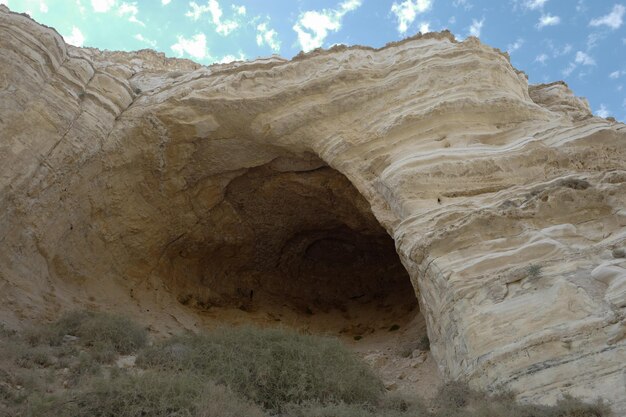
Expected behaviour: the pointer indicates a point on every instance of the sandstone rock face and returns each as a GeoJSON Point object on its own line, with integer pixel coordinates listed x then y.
{"type": "Point", "coordinates": [158, 187]}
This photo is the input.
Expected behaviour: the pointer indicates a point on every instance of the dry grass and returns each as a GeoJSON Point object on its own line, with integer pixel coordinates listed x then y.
{"type": "Point", "coordinates": [101, 332]}
{"type": "Point", "coordinates": [243, 372]}
{"type": "Point", "coordinates": [270, 367]}
{"type": "Point", "coordinates": [153, 394]}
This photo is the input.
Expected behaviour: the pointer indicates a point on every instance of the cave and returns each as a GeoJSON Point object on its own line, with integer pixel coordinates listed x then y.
{"type": "Point", "coordinates": [292, 238]}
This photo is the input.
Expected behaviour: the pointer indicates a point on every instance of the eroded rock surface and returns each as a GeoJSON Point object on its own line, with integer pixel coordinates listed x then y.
{"type": "Point", "coordinates": [160, 188]}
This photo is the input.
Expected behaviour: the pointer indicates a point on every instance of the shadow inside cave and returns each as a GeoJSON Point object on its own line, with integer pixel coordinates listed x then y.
{"type": "Point", "coordinates": [293, 243]}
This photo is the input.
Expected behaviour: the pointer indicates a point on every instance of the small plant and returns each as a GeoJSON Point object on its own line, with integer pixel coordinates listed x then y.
{"type": "Point", "coordinates": [35, 357]}
{"type": "Point", "coordinates": [137, 90]}
{"type": "Point", "coordinates": [93, 329]}
{"type": "Point", "coordinates": [424, 343]}
{"type": "Point", "coordinates": [86, 365]}
{"type": "Point", "coordinates": [103, 352]}
{"type": "Point", "coordinates": [394, 327]}
{"type": "Point", "coordinates": [454, 394]}
{"type": "Point", "coordinates": [534, 271]}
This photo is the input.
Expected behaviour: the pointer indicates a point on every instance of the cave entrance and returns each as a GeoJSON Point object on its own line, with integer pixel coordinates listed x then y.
{"type": "Point", "coordinates": [294, 241]}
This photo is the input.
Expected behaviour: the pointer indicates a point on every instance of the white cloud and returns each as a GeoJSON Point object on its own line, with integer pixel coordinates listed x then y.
{"type": "Point", "coordinates": [476, 27]}
{"type": "Point", "coordinates": [43, 7]}
{"type": "Point", "coordinates": [231, 58]}
{"type": "Point", "coordinates": [165, 2]}
{"type": "Point", "coordinates": [313, 27]}
{"type": "Point", "coordinates": [615, 74]}
{"type": "Point", "coordinates": [407, 11]}
{"type": "Point", "coordinates": [584, 59]}
{"type": "Point", "coordinates": [570, 68]}
{"type": "Point", "coordinates": [141, 38]}
{"type": "Point", "coordinates": [534, 4]}
{"type": "Point", "coordinates": [80, 6]}
{"type": "Point", "coordinates": [131, 10]}
{"type": "Point", "coordinates": [512, 47]}
{"type": "Point", "coordinates": [76, 38]}
{"type": "Point", "coordinates": [225, 27]}
{"type": "Point", "coordinates": [196, 10]}
{"type": "Point", "coordinates": [241, 10]}
{"type": "Point", "coordinates": [102, 6]}
{"type": "Point", "coordinates": [548, 20]}
{"type": "Point", "coordinates": [542, 59]}
{"type": "Point", "coordinates": [603, 111]}
{"type": "Point", "coordinates": [214, 9]}
{"type": "Point", "coordinates": [5, 2]}
{"type": "Point", "coordinates": [267, 36]}
{"type": "Point", "coordinates": [613, 20]}
{"type": "Point", "coordinates": [581, 59]}
{"type": "Point", "coordinates": [452, 20]}
{"type": "Point", "coordinates": [463, 3]}
{"type": "Point", "coordinates": [566, 50]}
{"type": "Point", "coordinates": [195, 46]}
{"type": "Point", "coordinates": [594, 38]}
{"type": "Point", "coordinates": [424, 27]}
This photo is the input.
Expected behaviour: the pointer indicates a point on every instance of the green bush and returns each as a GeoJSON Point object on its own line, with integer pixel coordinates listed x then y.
{"type": "Point", "coordinates": [456, 399]}
{"type": "Point", "coordinates": [92, 329]}
{"type": "Point", "coordinates": [39, 356]}
{"type": "Point", "coordinates": [388, 407]}
{"type": "Point", "coordinates": [424, 343]}
{"type": "Point", "coordinates": [534, 271]}
{"type": "Point", "coordinates": [219, 374]}
{"type": "Point", "coordinates": [270, 367]}
{"type": "Point", "coordinates": [153, 394]}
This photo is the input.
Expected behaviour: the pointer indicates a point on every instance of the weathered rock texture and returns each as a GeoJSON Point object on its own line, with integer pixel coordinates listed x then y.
{"type": "Point", "coordinates": [135, 182]}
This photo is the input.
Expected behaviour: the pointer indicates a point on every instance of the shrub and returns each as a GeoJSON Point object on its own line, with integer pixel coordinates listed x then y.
{"type": "Point", "coordinates": [270, 367]}
{"type": "Point", "coordinates": [534, 270]}
{"type": "Point", "coordinates": [6, 333]}
{"type": "Point", "coordinates": [93, 329]}
{"type": "Point", "coordinates": [39, 356]}
{"type": "Point", "coordinates": [103, 352]}
{"type": "Point", "coordinates": [424, 343]}
{"type": "Point", "coordinates": [86, 365]}
{"type": "Point", "coordinates": [316, 409]}
{"type": "Point", "coordinates": [456, 399]}
{"type": "Point", "coordinates": [209, 376]}
{"type": "Point", "coordinates": [389, 407]}
{"type": "Point", "coordinates": [153, 394]}
{"type": "Point", "coordinates": [454, 395]}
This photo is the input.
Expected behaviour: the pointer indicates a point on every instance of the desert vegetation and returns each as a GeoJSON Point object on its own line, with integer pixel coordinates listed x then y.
{"type": "Point", "coordinates": [101, 365]}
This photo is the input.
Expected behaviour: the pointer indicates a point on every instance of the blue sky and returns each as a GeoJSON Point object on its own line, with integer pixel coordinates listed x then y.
{"type": "Point", "coordinates": [580, 41]}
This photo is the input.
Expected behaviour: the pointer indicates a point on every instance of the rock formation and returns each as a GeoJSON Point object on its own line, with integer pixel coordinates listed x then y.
{"type": "Point", "coordinates": [161, 188]}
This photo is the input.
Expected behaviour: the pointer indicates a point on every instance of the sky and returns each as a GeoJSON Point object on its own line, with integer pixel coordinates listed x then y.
{"type": "Point", "coordinates": [582, 42]}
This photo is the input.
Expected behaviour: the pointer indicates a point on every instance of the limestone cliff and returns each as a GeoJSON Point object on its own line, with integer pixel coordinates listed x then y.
{"type": "Point", "coordinates": [162, 188]}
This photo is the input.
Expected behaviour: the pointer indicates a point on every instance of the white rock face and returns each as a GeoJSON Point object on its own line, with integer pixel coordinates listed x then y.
{"type": "Point", "coordinates": [134, 182]}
